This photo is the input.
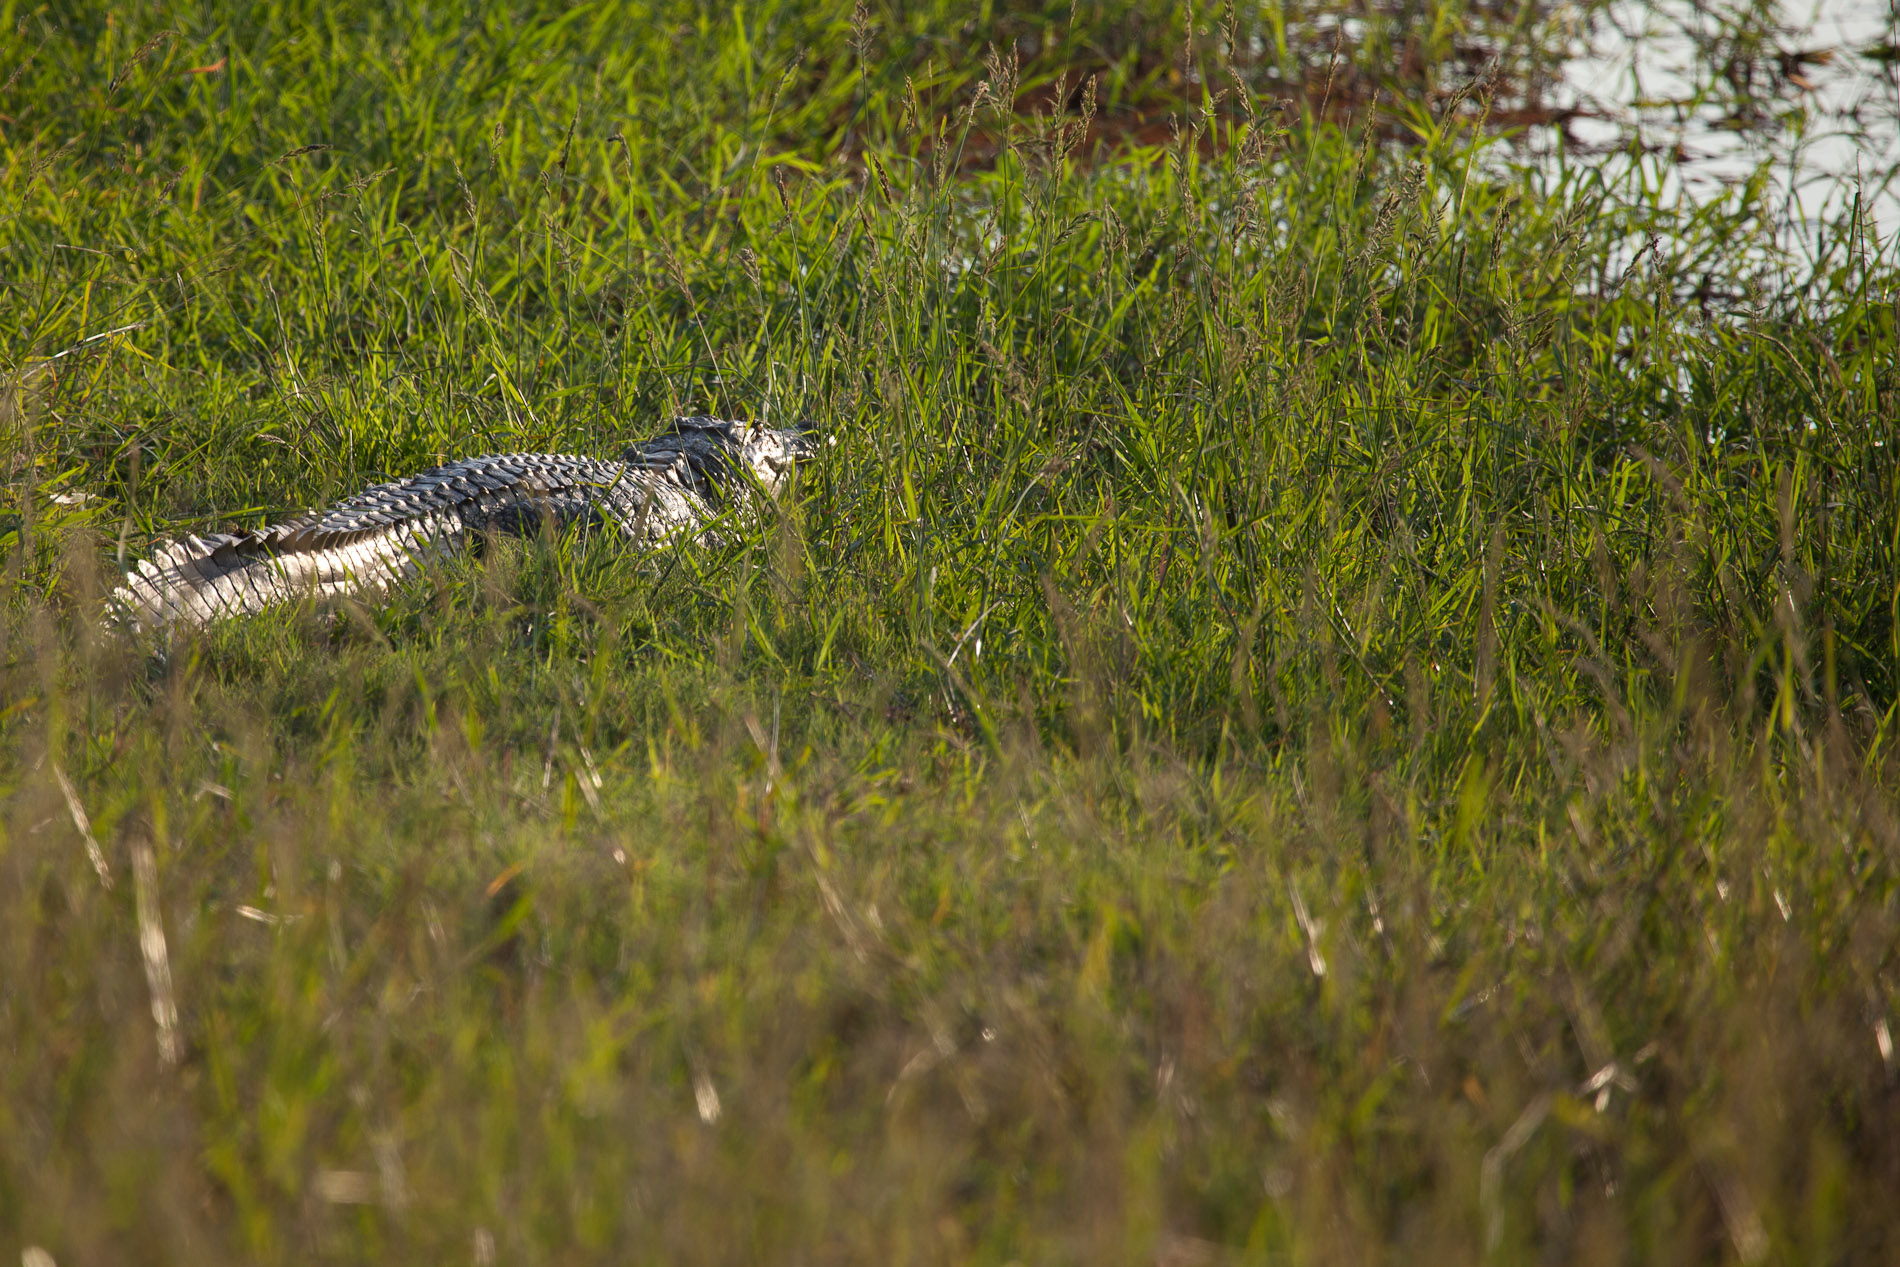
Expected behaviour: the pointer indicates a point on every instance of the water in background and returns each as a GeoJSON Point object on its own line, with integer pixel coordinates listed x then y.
{"type": "Point", "coordinates": [1806, 92]}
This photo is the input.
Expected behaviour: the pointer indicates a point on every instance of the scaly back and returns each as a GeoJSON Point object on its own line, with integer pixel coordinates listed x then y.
{"type": "Point", "coordinates": [668, 486]}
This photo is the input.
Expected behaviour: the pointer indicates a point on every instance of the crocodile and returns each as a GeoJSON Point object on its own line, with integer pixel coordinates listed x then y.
{"type": "Point", "coordinates": [670, 486]}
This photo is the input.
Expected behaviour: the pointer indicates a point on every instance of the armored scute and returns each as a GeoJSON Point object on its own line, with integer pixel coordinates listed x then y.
{"type": "Point", "coordinates": [666, 487]}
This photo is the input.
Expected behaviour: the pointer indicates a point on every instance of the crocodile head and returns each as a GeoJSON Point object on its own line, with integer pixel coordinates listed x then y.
{"type": "Point", "coordinates": [715, 450]}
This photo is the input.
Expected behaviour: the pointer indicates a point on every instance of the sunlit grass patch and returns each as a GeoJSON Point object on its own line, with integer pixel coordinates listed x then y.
{"type": "Point", "coordinates": [1323, 699]}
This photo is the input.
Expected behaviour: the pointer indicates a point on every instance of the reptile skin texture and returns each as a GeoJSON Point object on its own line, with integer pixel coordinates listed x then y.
{"type": "Point", "coordinates": [667, 487]}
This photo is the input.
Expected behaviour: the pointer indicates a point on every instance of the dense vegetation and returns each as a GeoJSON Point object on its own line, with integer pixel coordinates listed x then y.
{"type": "Point", "coordinates": [1330, 699]}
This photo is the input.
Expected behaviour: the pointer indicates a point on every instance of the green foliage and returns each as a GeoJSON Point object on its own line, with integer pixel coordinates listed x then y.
{"type": "Point", "coordinates": [1328, 698]}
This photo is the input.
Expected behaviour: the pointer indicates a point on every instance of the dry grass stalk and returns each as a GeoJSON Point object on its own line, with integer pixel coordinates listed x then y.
{"type": "Point", "coordinates": [158, 969]}
{"type": "Point", "coordinates": [345, 1187]}
{"type": "Point", "coordinates": [94, 853]}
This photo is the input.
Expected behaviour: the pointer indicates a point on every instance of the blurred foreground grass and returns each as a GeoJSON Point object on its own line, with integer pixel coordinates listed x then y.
{"type": "Point", "coordinates": [1331, 700]}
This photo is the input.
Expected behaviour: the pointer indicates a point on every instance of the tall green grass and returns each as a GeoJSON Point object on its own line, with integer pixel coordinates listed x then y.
{"type": "Point", "coordinates": [1329, 698]}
